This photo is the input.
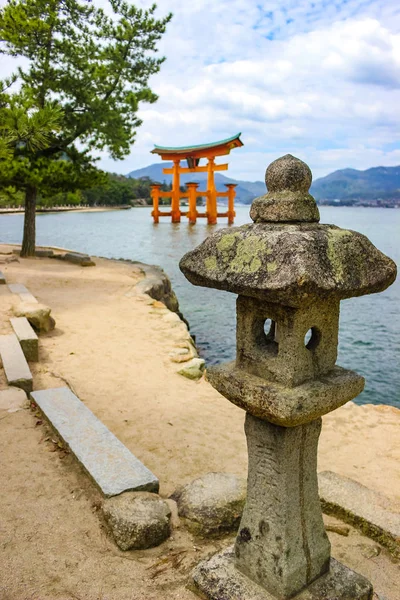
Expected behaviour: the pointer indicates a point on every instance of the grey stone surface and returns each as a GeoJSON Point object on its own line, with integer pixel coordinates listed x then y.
{"type": "Point", "coordinates": [138, 520]}
{"type": "Point", "coordinates": [2, 278]}
{"type": "Point", "coordinates": [282, 511]}
{"type": "Point", "coordinates": [14, 363]}
{"type": "Point", "coordinates": [22, 291]}
{"type": "Point", "coordinates": [363, 508]}
{"type": "Point", "coordinates": [12, 399]}
{"type": "Point", "coordinates": [282, 405]}
{"type": "Point", "coordinates": [112, 467]}
{"type": "Point", "coordinates": [212, 504]}
{"type": "Point", "coordinates": [281, 355]}
{"type": "Point", "coordinates": [218, 579]}
{"type": "Point", "coordinates": [193, 368]}
{"type": "Point", "coordinates": [37, 314]}
{"type": "Point", "coordinates": [26, 337]}
{"type": "Point", "coordinates": [289, 264]}
{"type": "Point", "coordinates": [83, 260]}
{"type": "Point", "coordinates": [288, 180]}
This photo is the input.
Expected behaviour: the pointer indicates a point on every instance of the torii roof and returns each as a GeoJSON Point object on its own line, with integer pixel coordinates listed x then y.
{"type": "Point", "coordinates": [218, 148]}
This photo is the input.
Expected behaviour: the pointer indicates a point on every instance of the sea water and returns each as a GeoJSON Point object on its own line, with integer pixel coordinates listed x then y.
{"type": "Point", "coordinates": [369, 340]}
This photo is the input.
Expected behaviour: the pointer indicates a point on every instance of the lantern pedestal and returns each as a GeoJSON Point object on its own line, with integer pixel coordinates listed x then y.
{"type": "Point", "coordinates": [218, 579]}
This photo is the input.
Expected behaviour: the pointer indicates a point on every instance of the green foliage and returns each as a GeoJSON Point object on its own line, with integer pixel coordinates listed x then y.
{"type": "Point", "coordinates": [85, 72]}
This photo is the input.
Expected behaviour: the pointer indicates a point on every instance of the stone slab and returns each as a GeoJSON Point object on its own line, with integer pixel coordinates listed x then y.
{"type": "Point", "coordinates": [22, 291]}
{"type": "Point", "coordinates": [2, 278]}
{"type": "Point", "coordinates": [27, 338]}
{"type": "Point", "coordinates": [14, 363]}
{"type": "Point", "coordinates": [370, 512]}
{"type": "Point", "coordinates": [112, 467]}
{"type": "Point", "coordinates": [218, 579]}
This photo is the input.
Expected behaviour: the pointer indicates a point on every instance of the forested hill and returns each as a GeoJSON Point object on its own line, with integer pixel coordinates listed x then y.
{"type": "Point", "coordinates": [378, 185]}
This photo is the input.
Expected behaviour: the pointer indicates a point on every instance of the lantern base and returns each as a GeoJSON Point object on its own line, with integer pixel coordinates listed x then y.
{"type": "Point", "coordinates": [218, 578]}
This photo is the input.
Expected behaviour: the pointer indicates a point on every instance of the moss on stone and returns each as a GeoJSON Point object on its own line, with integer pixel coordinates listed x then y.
{"type": "Point", "coordinates": [334, 253]}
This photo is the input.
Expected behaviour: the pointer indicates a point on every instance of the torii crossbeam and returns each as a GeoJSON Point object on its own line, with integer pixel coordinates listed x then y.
{"type": "Point", "coordinates": [193, 155]}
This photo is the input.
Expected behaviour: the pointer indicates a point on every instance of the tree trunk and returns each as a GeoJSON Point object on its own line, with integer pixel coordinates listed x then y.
{"type": "Point", "coordinates": [28, 243]}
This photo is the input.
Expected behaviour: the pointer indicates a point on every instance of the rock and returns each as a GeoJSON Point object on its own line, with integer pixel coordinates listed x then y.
{"type": "Point", "coordinates": [212, 505]}
{"type": "Point", "coordinates": [37, 314]}
{"type": "Point", "coordinates": [193, 369]}
{"type": "Point", "coordinates": [369, 551]}
{"type": "Point", "coordinates": [138, 520]}
{"type": "Point", "coordinates": [83, 260]}
{"type": "Point", "coordinates": [12, 399]}
{"type": "Point", "coordinates": [340, 530]}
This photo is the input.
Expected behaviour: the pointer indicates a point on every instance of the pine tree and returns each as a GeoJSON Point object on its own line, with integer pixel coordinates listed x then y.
{"type": "Point", "coordinates": [91, 66]}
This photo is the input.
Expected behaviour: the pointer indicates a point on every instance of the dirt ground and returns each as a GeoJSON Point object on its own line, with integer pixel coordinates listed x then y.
{"type": "Point", "coordinates": [113, 348]}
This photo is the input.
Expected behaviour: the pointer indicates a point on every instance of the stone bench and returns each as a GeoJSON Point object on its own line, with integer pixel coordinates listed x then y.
{"type": "Point", "coordinates": [22, 291]}
{"type": "Point", "coordinates": [14, 363]}
{"type": "Point", "coordinates": [2, 278]}
{"type": "Point", "coordinates": [26, 337]}
{"type": "Point", "coordinates": [112, 467]}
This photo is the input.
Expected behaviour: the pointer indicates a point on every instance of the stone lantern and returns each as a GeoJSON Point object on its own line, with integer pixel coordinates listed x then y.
{"type": "Point", "coordinates": [290, 274]}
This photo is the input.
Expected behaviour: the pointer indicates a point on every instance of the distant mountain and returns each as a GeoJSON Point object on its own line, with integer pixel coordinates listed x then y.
{"type": "Point", "coordinates": [346, 185]}
{"type": "Point", "coordinates": [351, 184]}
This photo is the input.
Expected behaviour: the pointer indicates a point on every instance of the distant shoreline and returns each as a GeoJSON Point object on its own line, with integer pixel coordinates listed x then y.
{"type": "Point", "coordinates": [55, 209]}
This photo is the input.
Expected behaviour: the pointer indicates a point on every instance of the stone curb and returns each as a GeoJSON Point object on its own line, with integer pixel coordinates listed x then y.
{"type": "Point", "coordinates": [368, 511]}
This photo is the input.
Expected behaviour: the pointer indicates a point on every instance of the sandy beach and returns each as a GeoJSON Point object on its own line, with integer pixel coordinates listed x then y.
{"type": "Point", "coordinates": [113, 348]}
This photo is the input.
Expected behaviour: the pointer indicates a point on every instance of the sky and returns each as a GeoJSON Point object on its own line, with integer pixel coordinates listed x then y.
{"type": "Point", "coordinates": [318, 79]}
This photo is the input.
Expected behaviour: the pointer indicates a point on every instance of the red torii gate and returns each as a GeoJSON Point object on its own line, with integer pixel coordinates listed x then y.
{"type": "Point", "coordinates": [193, 155]}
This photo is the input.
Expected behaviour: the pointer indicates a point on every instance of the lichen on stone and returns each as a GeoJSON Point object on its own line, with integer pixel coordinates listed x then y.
{"type": "Point", "coordinates": [334, 239]}
{"type": "Point", "coordinates": [210, 263]}
{"type": "Point", "coordinates": [248, 252]}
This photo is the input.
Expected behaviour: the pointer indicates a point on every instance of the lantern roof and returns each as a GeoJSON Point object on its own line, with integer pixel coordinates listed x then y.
{"type": "Point", "coordinates": [286, 256]}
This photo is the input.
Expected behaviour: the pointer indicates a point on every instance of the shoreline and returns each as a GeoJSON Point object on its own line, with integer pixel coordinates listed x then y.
{"type": "Point", "coordinates": [13, 211]}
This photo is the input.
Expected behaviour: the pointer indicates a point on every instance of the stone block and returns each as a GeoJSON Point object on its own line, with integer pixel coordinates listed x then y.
{"type": "Point", "coordinates": [368, 511]}
{"type": "Point", "coordinates": [138, 520]}
{"type": "Point", "coordinates": [112, 467]}
{"type": "Point", "coordinates": [212, 504]}
{"type": "Point", "coordinates": [44, 253]}
{"type": "Point", "coordinates": [83, 260]}
{"type": "Point", "coordinates": [26, 337]}
{"type": "Point", "coordinates": [22, 291]}
{"type": "Point", "coordinates": [14, 363]}
{"type": "Point", "coordinates": [218, 579]}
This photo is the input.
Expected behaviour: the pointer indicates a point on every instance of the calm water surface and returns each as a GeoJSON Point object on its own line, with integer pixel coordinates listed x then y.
{"type": "Point", "coordinates": [370, 326]}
